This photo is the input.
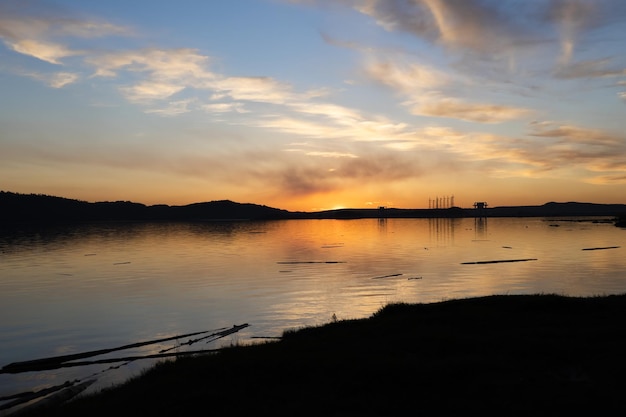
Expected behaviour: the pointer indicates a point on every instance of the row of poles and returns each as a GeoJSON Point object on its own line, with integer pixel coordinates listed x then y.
{"type": "Point", "coordinates": [441, 202]}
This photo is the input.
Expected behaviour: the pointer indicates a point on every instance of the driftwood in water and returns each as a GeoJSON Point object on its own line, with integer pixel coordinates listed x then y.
{"type": "Point", "coordinates": [65, 394]}
{"type": "Point", "coordinates": [387, 276]}
{"type": "Point", "coordinates": [310, 262]}
{"type": "Point", "coordinates": [55, 362]}
{"type": "Point", "coordinates": [133, 358]}
{"type": "Point", "coordinates": [499, 261]}
{"type": "Point", "coordinates": [25, 397]}
{"type": "Point", "coordinates": [602, 248]}
{"type": "Point", "coordinates": [215, 336]}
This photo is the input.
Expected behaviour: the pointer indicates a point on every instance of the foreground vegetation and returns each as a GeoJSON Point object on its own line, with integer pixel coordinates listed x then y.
{"type": "Point", "coordinates": [506, 355]}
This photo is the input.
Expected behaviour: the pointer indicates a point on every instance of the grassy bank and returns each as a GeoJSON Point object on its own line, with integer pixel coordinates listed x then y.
{"type": "Point", "coordinates": [505, 355]}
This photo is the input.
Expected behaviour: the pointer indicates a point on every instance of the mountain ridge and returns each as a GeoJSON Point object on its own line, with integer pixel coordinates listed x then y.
{"type": "Point", "coordinates": [41, 208]}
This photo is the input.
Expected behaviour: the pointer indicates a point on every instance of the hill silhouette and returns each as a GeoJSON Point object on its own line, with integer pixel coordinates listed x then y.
{"type": "Point", "coordinates": [40, 208]}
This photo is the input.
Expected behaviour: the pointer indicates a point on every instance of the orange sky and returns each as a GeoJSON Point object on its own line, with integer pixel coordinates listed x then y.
{"type": "Point", "coordinates": [311, 105]}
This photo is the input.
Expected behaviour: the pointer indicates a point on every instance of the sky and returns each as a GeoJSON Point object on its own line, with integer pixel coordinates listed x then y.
{"type": "Point", "coordinates": [310, 105]}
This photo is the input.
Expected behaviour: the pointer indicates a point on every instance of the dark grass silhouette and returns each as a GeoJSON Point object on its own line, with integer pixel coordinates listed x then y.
{"type": "Point", "coordinates": [533, 355]}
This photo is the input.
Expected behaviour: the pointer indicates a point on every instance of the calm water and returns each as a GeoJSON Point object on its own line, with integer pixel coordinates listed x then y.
{"type": "Point", "coordinates": [98, 286]}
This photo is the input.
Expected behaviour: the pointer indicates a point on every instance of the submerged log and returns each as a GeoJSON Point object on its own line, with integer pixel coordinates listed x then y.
{"type": "Point", "coordinates": [602, 248]}
{"type": "Point", "coordinates": [25, 397]}
{"type": "Point", "coordinates": [64, 395]}
{"type": "Point", "coordinates": [310, 262]}
{"type": "Point", "coordinates": [387, 276]}
{"type": "Point", "coordinates": [55, 362]}
{"type": "Point", "coordinates": [499, 261]}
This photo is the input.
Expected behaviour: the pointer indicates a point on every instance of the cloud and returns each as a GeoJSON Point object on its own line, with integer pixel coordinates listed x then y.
{"type": "Point", "coordinates": [589, 69]}
{"type": "Point", "coordinates": [499, 33]}
{"type": "Point", "coordinates": [572, 17]}
{"type": "Point", "coordinates": [173, 108]}
{"type": "Point", "coordinates": [45, 51]}
{"type": "Point", "coordinates": [593, 150]}
{"type": "Point", "coordinates": [331, 154]}
{"type": "Point", "coordinates": [425, 90]}
{"type": "Point", "coordinates": [484, 27]}
{"type": "Point", "coordinates": [147, 91]}
{"type": "Point", "coordinates": [44, 38]}
{"type": "Point", "coordinates": [162, 64]}
{"type": "Point", "coordinates": [61, 79]}
{"type": "Point", "coordinates": [608, 180]}
{"type": "Point", "coordinates": [363, 129]}
{"type": "Point", "coordinates": [406, 77]}
{"type": "Point", "coordinates": [471, 112]}
{"type": "Point", "coordinates": [374, 167]}
{"type": "Point", "coordinates": [55, 80]}
{"type": "Point", "coordinates": [576, 134]}
{"type": "Point", "coordinates": [224, 107]}
{"type": "Point", "coordinates": [259, 89]}
{"type": "Point", "coordinates": [540, 154]}
{"type": "Point", "coordinates": [163, 73]}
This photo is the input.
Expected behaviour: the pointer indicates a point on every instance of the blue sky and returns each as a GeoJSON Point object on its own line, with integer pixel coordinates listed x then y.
{"type": "Point", "coordinates": [315, 104]}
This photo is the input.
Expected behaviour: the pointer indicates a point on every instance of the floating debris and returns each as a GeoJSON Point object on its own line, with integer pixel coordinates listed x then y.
{"type": "Point", "coordinates": [121, 263]}
{"type": "Point", "coordinates": [58, 395]}
{"type": "Point", "coordinates": [499, 261]}
{"type": "Point", "coordinates": [90, 254]}
{"type": "Point", "coordinates": [410, 278]}
{"type": "Point", "coordinates": [65, 361]}
{"type": "Point", "coordinates": [602, 248]}
{"type": "Point", "coordinates": [507, 247]}
{"type": "Point", "coordinates": [310, 262]}
{"type": "Point", "coordinates": [387, 276]}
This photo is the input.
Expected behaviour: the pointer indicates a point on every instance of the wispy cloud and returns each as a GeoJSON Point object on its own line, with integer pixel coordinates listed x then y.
{"type": "Point", "coordinates": [407, 77]}
{"type": "Point", "coordinates": [45, 51]}
{"type": "Point", "coordinates": [500, 33]}
{"type": "Point", "coordinates": [437, 95]}
{"type": "Point", "coordinates": [331, 154]}
{"type": "Point", "coordinates": [224, 107]}
{"type": "Point", "coordinates": [54, 80]}
{"type": "Point", "coordinates": [162, 73]}
{"type": "Point", "coordinates": [599, 68]}
{"type": "Point", "coordinates": [492, 26]}
{"type": "Point", "coordinates": [472, 112]}
{"type": "Point", "coordinates": [565, 148]}
{"type": "Point", "coordinates": [429, 92]}
{"type": "Point", "coordinates": [173, 108]}
{"type": "Point", "coordinates": [571, 18]}
{"type": "Point", "coordinates": [44, 38]}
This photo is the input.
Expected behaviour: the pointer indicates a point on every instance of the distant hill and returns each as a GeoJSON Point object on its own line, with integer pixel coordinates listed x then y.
{"type": "Point", "coordinates": [38, 208]}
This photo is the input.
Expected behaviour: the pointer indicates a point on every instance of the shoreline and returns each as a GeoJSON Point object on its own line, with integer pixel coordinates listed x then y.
{"type": "Point", "coordinates": [42, 209]}
{"type": "Point", "coordinates": [539, 354]}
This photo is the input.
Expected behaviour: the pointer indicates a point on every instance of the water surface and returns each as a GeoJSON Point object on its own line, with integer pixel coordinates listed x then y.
{"type": "Point", "coordinates": [71, 289]}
